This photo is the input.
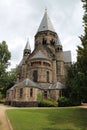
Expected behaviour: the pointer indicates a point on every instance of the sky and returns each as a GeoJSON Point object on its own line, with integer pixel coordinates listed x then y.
{"type": "Point", "coordinates": [20, 19]}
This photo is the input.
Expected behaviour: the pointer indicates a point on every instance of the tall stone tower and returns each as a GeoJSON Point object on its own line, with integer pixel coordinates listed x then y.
{"type": "Point", "coordinates": [47, 36]}
{"type": "Point", "coordinates": [22, 68]}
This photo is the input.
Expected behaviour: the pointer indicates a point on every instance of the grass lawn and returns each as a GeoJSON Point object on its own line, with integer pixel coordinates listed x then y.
{"type": "Point", "coordinates": [48, 119]}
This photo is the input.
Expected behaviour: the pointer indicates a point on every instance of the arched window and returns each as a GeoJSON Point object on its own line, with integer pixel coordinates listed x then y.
{"type": "Point", "coordinates": [35, 76]}
{"type": "Point", "coordinates": [44, 41]}
{"type": "Point", "coordinates": [47, 76]}
{"type": "Point", "coordinates": [31, 92]}
{"type": "Point", "coordinates": [52, 42]}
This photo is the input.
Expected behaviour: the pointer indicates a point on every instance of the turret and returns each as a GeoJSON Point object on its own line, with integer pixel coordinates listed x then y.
{"type": "Point", "coordinates": [22, 68]}
{"type": "Point", "coordinates": [27, 49]}
{"type": "Point", "coordinates": [59, 61]}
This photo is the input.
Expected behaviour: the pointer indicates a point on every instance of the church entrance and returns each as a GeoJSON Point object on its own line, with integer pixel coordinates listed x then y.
{"type": "Point", "coordinates": [45, 94]}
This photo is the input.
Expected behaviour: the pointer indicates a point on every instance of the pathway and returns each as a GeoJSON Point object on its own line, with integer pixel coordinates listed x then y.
{"type": "Point", "coordinates": [4, 124]}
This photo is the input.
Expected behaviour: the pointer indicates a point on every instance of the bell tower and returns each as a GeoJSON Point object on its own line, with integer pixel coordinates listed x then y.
{"type": "Point", "coordinates": [46, 34]}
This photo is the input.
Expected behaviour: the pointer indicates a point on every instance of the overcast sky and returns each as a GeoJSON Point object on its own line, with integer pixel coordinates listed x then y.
{"type": "Point", "coordinates": [20, 19]}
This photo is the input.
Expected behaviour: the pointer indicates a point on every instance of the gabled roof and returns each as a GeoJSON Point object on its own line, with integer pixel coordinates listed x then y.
{"type": "Point", "coordinates": [57, 85]}
{"type": "Point", "coordinates": [67, 56]}
{"type": "Point", "coordinates": [46, 24]}
{"type": "Point", "coordinates": [39, 55]}
{"type": "Point", "coordinates": [27, 46]}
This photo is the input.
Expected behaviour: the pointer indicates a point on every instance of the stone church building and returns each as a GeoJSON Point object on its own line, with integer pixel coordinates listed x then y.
{"type": "Point", "coordinates": [41, 73]}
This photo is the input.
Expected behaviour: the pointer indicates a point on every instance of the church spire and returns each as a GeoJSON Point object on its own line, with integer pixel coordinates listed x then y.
{"type": "Point", "coordinates": [28, 45]}
{"type": "Point", "coordinates": [46, 23]}
{"type": "Point", "coordinates": [27, 49]}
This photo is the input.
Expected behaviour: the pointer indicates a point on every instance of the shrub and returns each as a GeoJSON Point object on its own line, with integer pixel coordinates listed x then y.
{"type": "Point", "coordinates": [48, 103]}
{"type": "Point", "coordinates": [64, 102]}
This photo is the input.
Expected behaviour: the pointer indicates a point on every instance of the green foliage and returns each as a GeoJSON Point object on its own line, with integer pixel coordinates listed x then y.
{"type": "Point", "coordinates": [8, 80]}
{"type": "Point", "coordinates": [82, 56]}
{"type": "Point", "coordinates": [48, 119]}
{"type": "Point", "coordinates": [48, 103]}
{"type": "Point", "coordinates": [73, 84]}
{"type": "Point", "coordinates": [64, 102]}
{"type": "Point", "coordinates": [1, 96]}
{"type": "Point", "coordinates": [77, 75]}
{"type": "Point", "coordinates": [5, 56]}
{"type": "Point", "coordinates": [39, 97]}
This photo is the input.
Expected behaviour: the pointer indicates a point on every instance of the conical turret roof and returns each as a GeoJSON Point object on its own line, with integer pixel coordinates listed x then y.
{"type": "Point", "coordinates": [27, 45]}
{"type": "Point", "coordinates": [46, 23]}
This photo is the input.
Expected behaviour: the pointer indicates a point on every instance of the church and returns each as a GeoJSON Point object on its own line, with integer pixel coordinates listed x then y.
{"type": "Point", "coordinates": [42, 72]}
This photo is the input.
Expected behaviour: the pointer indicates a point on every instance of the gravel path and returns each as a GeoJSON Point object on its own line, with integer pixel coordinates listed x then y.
{"type": "Point", "coordinates": [4, 122]}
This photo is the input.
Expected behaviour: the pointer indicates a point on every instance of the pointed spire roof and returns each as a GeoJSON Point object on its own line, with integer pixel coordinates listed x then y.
{"type": "Point", "coordinates": [58, 41]}
{"type": "Point", "coordinates": [46, 23]}
{"type": "Point", "coordinates": [27, 45]}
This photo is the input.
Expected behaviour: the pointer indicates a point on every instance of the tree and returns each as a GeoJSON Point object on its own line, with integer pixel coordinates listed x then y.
{"type": "Point", "coordinates": [76, 81]}
{"type": "Point", "coordinates": [5, 56]}
{"type": "Point", "coordinates": [73, 84]}
{"type": "Point", "coordinates": [9, 80]}
{"type": "Point", "coordinates": [82, 55]}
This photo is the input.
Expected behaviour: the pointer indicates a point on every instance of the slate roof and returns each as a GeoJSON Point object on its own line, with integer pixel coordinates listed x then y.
{"type": "Point", "coordinates": [46, 24]}
{"type": "Point", "coordinates": [67, 56]}
{"type": "Point", "coordinates": [56, 85]}
{"type": "Point", "coordinates": [39, 55]}
{"type": "Point", "coordinates": [12, 88]}
{"type": "Point", "coordinates": [58, 41]}
{"type": "Point", "coordinates": [27, 83]}
{"type": "Point", "coordinates": [27, 45]}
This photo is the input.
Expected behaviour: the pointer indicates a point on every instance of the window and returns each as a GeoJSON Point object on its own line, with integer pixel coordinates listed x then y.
{"type": "Point", "coordinates": [44, 41]}
{"type": "Point", "coordinates": [52, 42]}
{"type": "Point", "coordinates": [31, 92]}
{"type": "Point", "coordinates": [21, 92]}
{"type": "Point", "coordinates": [47, 76]}
{"type": "Point", "coordinates": [36, 63]}
{"type": "Point", "coordinates": [35, 76]}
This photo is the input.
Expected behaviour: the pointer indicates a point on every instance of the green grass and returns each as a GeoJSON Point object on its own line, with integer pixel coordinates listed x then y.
{"type": "Point", "coordinates": [48, 119]}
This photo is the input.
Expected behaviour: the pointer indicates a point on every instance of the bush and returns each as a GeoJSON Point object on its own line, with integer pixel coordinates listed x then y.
{"type": "Point", "coordinates": [64, 102]}
{"type": "Point", "coordinates": [48, 103]}
{"type": "Point", "coordinates": [1, 96]}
